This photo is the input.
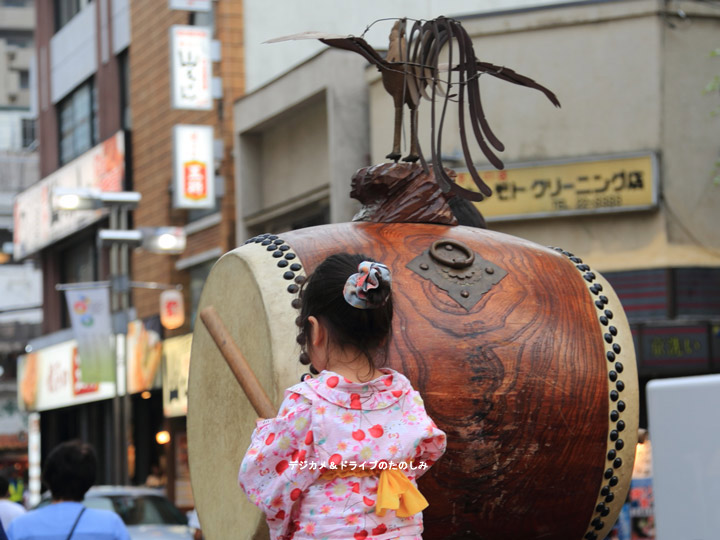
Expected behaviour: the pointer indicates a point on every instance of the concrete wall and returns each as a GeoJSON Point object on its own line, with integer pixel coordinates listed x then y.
{"type": "Point", "coordinates": [120, 24]}
{"type": "Point", "coordinates": [17, 18]}
{"type": "Point", "coordinates": [627, 82]}
{"type": "Point", "coordinates": [73, 53]}
{"type": "Point", "coordinates": [299, 139]}
{"type": "Point", "coordinates": [690, 134]}
{"type": "Point", "coordinates": [11, 135]}
{"type": "Point", "coordinates": [14, 61]}
{"type": "Point", "coordinates": [266, 20]}
{"type": "Point", "coordinates": [295, 155]}
{"type": "Point", "coordinates": [15, 23]}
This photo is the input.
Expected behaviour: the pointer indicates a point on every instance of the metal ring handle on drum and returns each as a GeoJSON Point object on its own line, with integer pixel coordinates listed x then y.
{"type": "Point", "coordinates": [444, 258]}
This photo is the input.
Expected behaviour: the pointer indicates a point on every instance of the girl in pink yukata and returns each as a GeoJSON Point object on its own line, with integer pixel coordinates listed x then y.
{"type": "Point", "coordinates": [341, 459]}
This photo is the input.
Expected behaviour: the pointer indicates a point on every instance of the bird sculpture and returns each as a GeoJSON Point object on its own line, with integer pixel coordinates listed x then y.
{"type": "Point", "coordinates": [411, 66]}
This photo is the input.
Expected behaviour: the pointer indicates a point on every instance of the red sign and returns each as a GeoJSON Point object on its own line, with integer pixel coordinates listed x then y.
{"type": "Point", "coordinates": [195, 180]}
{"type": "Point", "coordinates": [80, 387]}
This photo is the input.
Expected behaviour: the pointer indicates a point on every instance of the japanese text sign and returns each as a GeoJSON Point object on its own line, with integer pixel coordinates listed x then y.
{"type": "Point", "coordinates": [37, 224]}
{"type": "Point", "coordinates": [193, 167]}
{"type": "Point", "coordinates": [191, 68]}
{"type": "Point", "coordinates": [49, 378]}
{"type": "Point", "coordinates": [549, 190]}
{"type": "Point", "coordinates": [673, 347]}
{"type": "Point", "coordinates": [176, 359]}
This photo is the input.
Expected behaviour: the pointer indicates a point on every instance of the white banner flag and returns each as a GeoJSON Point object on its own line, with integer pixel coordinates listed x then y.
{"type": "Point", "coordinates": [91, 323]}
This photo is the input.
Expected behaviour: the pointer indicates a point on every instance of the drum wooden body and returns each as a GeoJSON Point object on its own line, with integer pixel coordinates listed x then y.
{"type": "Point", "coordinates": [535, 384]}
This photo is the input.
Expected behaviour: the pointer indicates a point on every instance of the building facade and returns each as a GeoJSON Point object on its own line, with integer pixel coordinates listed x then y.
{"type": "Point", "coordinates": [20, 284]}
{"type": "Point", "coordinates": [17, 21]}
{"type": "Point", "coordinates": [107, 118]}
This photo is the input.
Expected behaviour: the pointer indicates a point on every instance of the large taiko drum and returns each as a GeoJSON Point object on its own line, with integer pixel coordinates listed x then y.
{"type": "Point", "coordinates": [522, 353]}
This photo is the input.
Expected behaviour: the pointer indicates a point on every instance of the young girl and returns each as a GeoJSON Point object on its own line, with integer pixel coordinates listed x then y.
{"type": "Point", "coordinates": [342, 457]}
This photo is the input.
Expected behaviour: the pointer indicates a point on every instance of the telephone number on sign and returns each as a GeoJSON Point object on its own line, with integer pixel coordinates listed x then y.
{"type": "Point", "coordinates": [588, 203]}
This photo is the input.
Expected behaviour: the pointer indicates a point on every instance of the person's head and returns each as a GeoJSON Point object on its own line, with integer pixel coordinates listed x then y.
{"type": "Point", "coordinates": [4, 486]}
{"type": "Point", "coordinates": [70, 470]}
{"type": "Point", "coordinates": [362, 322]}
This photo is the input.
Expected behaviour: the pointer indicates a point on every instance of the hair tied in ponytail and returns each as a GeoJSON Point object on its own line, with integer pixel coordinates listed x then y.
{"type": "Point", "coordinates": [370, 287]}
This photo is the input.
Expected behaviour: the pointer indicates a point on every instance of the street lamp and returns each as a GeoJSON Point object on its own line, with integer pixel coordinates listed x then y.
{"type": "Point", "coordinates": [168, 240]}
{"type": "Point", "coordinates": [93, 199]}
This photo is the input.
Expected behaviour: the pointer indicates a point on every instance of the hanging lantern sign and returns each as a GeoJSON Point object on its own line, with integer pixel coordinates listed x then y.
{"type": "Point", "coordinates": [172, 309]}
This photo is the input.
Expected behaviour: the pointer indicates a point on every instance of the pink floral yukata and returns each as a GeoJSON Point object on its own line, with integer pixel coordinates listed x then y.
{"type": "Point", "coordinates": [331, 419]}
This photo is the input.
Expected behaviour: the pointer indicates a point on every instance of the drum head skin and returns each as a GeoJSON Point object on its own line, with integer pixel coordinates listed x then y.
{"type": "Point", "coordinates": [534, 380]}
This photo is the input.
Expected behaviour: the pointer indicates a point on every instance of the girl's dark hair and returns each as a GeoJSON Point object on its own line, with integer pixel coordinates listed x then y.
{"type": "Point", "coordinates": [367, 330]}
{"type": "Point", "coordinates": [70, 470]}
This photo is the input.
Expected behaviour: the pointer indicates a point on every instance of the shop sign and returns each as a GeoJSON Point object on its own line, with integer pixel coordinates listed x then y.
{"type": "Point", "coordinates": [684, 347]}
{"type": "Point", "coordinates": [176, 370]}
{"type": "Point", "coordinates": [36, 225]}
{"type": "Point", "coordinates": [143, 355]}
{"type": "Point", "coordinates": [49, 378]}
{"type": "Point", "coordinates": [190, 5]}
{"type": "Point", "coordinates": [172, 309]}
{"type": "Point", "coordinates": [190, 68]}
{"type": "Point", "coordinates": [193, 167]}
{"type": "Point", "coordinates": [90, 320]}
{"type": "Point", "coordinates": [552, 189]}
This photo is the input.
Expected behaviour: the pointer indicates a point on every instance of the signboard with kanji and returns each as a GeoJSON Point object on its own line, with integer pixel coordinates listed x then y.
{"type": "Point", "coordinates": [673, 348]}
{"type": "Point", "coordinates": [190, 68]}
{"type": "Point", "coordinates": [611, 184]}
{"type": "Point", "coordinates": [38, 224]}
{"type": "Point", "coordinates": [194, 167]}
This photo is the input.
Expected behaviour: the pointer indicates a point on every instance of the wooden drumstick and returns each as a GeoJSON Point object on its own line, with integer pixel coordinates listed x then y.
{"type": "Point", "coordinates": [239, 366]}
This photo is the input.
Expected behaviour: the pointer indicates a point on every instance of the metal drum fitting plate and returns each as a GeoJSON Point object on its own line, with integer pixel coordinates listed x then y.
{"type": "Point", "coordinates": [458, 270]}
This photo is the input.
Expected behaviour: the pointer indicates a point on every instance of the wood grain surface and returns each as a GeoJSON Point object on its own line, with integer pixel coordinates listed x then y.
{"type": "Point", "coordinates": [518, 383]}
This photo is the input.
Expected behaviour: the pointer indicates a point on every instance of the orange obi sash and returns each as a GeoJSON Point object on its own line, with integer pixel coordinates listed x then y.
{"type": "Point", "coordinates": [395, 491]}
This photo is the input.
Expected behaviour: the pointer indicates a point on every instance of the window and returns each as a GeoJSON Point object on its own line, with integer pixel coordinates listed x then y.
{"type": "Point", "coordinates": [24, 79]}
{"type": "Point", "coordinates": [21, 40]}
{"type": "Point", "coordinates": [124, 68]}
{"type": "Point", "coordinates": [204, 18]}
{"type": "Point", "coordinates": [77, 122]}
{"type": "Point", "coordinates": [28, 132]}
{"type": "Point", "coordinates": [313, 214]}
{"type": "Point", "coordinates": [16, 3]}
{"type": "Point", "coordinates": [66, 10]}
